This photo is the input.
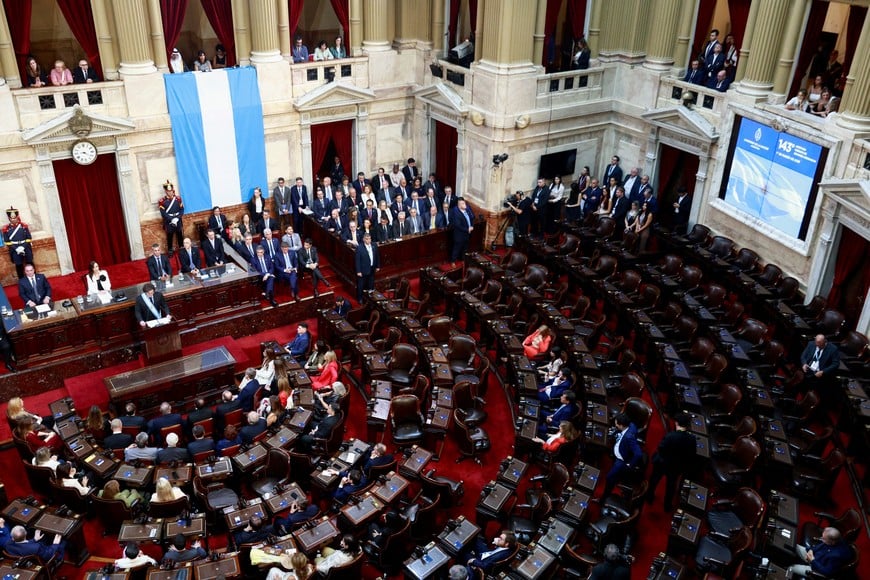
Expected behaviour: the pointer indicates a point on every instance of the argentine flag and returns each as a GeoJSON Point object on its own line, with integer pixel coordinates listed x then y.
{"type": "Point", "coordinates": [217, 131]}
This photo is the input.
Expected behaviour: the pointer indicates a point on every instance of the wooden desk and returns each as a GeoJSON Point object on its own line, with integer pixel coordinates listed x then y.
{"type": "Point", "coordinates": [512, 471]}
{"type": "Point", "coordinates": [222, 468]}
{"type": "Point", "coordinates": [101, 465]}
{"type": "Point", "coordinates": [587, 477]}
{"type": "Point", "coordinates": [492, 501]}
{"type": "Point", "coordinates": [98, 575]}
{"type": "Point", "coordinates": [31, 573]}
{"type": "Point", "coordinates": [458, 535]}
{"type": "Point", "coordinates": [352, 451]}
{"type": "Point", "coordinates": [575, 507]}
{"type": "Point", "coordinates": [79, 446]}
{"type": "Point", "coordinates": [177, 476]}
{"type": "Point", "coordinates": [783, 507]}
{"type": "Point", "coordinates": [148, 532]}
{"type": "Point", "coordinates": [194, 529]}
{"type": "Point", "coordinates": [310, 540]}
{"type": "Point", "coordinates": [180, 572]}
{"type": "Point", "coordinates": [134, 476]}
{"type": "Point", "coordinates": [62, 409]}
{"type": "Point", "coordinates": [535, 566]}
{"type": "Point", "coordinates": [685, 529]}
{"type": "Point", "coordinates": [392, 488]}
{"type": "Point", "coordinates": [282, 439]}
{"type": "Point", "coordinates": [359, 514]}
{"type": "Point", "coordinates": [693, 498]}
{"type": "Point", "coordinates": [428, 565]}
{"type": "Point", "coordinates": [238, 518]}
{"type": "Point", "coordinates": [228, 566]}
{"type": "Point", "coordinates": [416, 462]}
{"type": "Point", "coordinates": [250, 459]}
{"type": "Point", "coordinates": [282, 501]}
{"type": "Point", "coordinates": [22, 513]}
{"type": "Point", "coordinates": [558, 534]}
{"type": "Point", "coordinates": [67, 428]}
{"type": "Point", "coordinates": [299, 419]}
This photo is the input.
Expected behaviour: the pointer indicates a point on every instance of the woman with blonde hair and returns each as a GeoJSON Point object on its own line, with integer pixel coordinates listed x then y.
{"type": "Point", "coordinates": [329, 374]}
{"type": "Point", "coordinates": [566, 433]}
{"type": "Point", "coordinates": [538, 343]}
{"type": "Point", "coordinates": [300, 568]}
{"type": "Point", "coordinates": [112, 490]}
{"type": "Point", "coordinates": [60, 75]}
{"type": "Point", "coordinates": [15, 412]}
{"type": "Point", "coordinates": [165, 491]}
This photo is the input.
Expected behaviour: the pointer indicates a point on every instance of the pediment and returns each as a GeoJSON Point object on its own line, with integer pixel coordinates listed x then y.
{"type": "Point", "coordinates": [851, 194]}
{"type": "Point", "coordinates": [443, 96]}
{"type": "Point", "coordinates": [77, 123]}
{"type": "Point", "coordinates": [683, 121]}
{"type": "Point", "coordinates": [332, 95]}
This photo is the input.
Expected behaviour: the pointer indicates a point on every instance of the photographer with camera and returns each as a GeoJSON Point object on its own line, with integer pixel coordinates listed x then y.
{"type": "Point", "coordinates": [520, 205]}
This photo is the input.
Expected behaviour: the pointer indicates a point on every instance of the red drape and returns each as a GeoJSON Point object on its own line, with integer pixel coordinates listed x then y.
{"type": "Point", "coordinates": [818, 10]}
{"type": "Point", "coordinates": [577, 17]}
{"type": "Point", "coordinates": [849, 256]}
{"type": "Point", "coordinates": [446, 139]}
{"type": "Point", "coordinates": [472, 15]}
{"type": "Point", "coordinates": [342, 137]}
{"type": "Point", "coordinates": [739, 10]}
{"type": "Point", "coordinates": [702, 26]}
{"type": "Point", "coordinates": [80, 19]}
{"type": "Point", "coordinates": [857, 17]}
{"type": "Point", "coordinates": [553, 7]}
{"type": "Point", "coordinates": [342, 13]}
{"type": "Point", "coordinates": [220, 16]}
{"type": "Point", "coordinates": [91, 205]}
{"type": "Point", "coordinates": [172, 13]}
{"type": "Point", "coordinates": [295, 7]}
{"type": "Point", "coordinates": [18, 17]}
{"type": "Point", "coordinates": [453, 25]}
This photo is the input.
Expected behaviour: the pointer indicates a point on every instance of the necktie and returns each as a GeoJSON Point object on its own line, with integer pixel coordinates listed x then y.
{"type": "Point", "coordinates": [338, 223]}
{"type": "Point", "coordinates": [309, 256]}
{"type": "Point", "coordinates": [467, 219]}
{"type": "Point", "coordinates": [432, 222]}
{"type": "Point", "coordinates": [190, 255]}
{"type": "Point", "coordinates": [818, 355]}
{"type": "Point", "coordinates": [33, 283]}
{"type": "Point", "coordinates": [271, 249]}
{"type": "Point", "coordinates": [220, 223]}
{"type": "Point", "coordinates": [263, 264]}
{"type": "Point", "coordinates": [251, 250]}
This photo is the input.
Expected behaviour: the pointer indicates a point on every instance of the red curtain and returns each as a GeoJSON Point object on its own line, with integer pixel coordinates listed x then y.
{"type": "Point", "coordinates": [739, 16]}
{"type": "Point", "coordinates": [577, 17]}
{"type": "Point", "coordinates": [91, 205]}
{"type": "Point", "coordinates": [295, 15]}
{"type": "Point", "coordinates": [80, 19]}
{"type": "Point", "coordinates": [857, 17]}
{"type": "Point", "coordinates": [818, 11]}
{"type": "Point", "coordinates": [342, 137]}
{"type": "Point", "coordinates": [172, 13]}
{"type": "Point", "coordinates": [220, 16]}
{"type": "Point", "coordinates": [453, 25]}
{"type": "Point", "coordinates": [320, 136]}
{"type": "Point", "coordinates": [18, 16]}
{"type": "Point", "coordinates": [342, 13]}
{"type": "Point", "coordinates": [702, 26]}
{"type": "Point", "coordinates": [472, 15]}
{"type": "Point", "coordinates": [446, 139]}
{"type": "Point", "coordinates": [553, 7]}
{"type": "Point", "coordinates": [849, 256]}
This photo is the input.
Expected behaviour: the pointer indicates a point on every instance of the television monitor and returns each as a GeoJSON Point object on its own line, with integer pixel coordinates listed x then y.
{"type": "Point", "coordinates": [773, 176]}
{"type": "Point", "coordinates": [560, 163]}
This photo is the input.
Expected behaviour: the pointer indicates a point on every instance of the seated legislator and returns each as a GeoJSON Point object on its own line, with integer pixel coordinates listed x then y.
{"type": "Point", "coordinates": [228, 404]}
{"type": "Point", "coordinates": [34, 288]}
{"type": "Point", "coordinates": [552, 390]}
{"type": "Point", "coordinates": [300, 511]}
{"type": "Point", "coordinates": [188, 258]}
{"type": "Point", "coordinates": [141, 450]}
{"type": "Point", "coordinates": [329, 374]}
{"type": "Point", "coordinates": [347, 550]}
{"type": "Point", "coordinates": [298, 347]}
{"type": "Point", "coordinates": [230, 438]}
{"type": "Point", "coordinates": [150, 305]}
{"type": "Point", "coordinates": [536, 344]}
{"type": "Point", "coordinates": [247, 249]}
{"type": "Point", "coordinates": [824, 558]}
{"type": "Point", "coordinates": [263, 266]}
{"type": "Point", "coordinates": [287, 268]}
{"type": "Point", "coordinates": [166, 419]}
{"type": "Point", "coordinates": [66, 474]}
{"type": "Point", "coordinates": [172, 452]}
{"type": "Point", "coordinates": [567, 410]}
{"type": "Point", "coordinates": [112, 490]}
{"type": "Point", "coordinates": [565, 434]}
{"type": "Point", "coordinates": [255, 531]}
{"type": "Point", "coordinates": [97, 280]}
{"type": "Point", "coordinates": [255, 425]}
{"type": "Point", "coordinates": [159, 267]}
{"type": "Point", "coordinates": [44, 458]}
{"type": "Point", "coordinates": [213, 247]}
{"type": "Point", "coordinates": [322, 430]}
{"type": "Point", "coordinates": [165, 491]}
{"type": "Point", "coordinates": [486, 557]}
{"type": "Point", "coordinates": [20, 546]}
{"type": "Point", "coordinates": [179, 552]}
{"type": "Point", "coordinates": [308, 261]}
{"type": "Point", "coordinates": [134, 557]}
{"type": "Point", "coordinates": [36, 439]}
{"type": "Point", "coordinates": [217, 222]}
{"type": "Point", "coordinates": [200, 442]}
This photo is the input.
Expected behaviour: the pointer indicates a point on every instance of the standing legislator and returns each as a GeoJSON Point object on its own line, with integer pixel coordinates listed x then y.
{"type": "Point", "coordinates": [171, 210]}
{"type": "Point", "coordinates": [150, 305]}
{"type": "Point", "coordinates": [368, 262]}
{"type": "Point", "coordinates": [463, 224]}
{"type": "Point", "coordinates": [16, 237]}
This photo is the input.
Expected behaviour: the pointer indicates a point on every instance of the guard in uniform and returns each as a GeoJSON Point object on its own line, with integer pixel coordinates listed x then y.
{"type": "Point", "coordinates": [16, 237]}
{"type": "Point", "coordinates": [171, 209]}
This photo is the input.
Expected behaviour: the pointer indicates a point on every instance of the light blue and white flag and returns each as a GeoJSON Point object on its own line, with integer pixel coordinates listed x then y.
{"type": "Point", "coordinates": [217, 131]}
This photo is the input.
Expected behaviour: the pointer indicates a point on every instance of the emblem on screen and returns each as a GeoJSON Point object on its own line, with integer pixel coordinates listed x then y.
{"type": "Point", "coordinates": [758, 134]}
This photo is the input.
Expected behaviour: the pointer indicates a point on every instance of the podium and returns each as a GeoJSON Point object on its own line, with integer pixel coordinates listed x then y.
{"type": "Point", "coordinates": [162, 343]}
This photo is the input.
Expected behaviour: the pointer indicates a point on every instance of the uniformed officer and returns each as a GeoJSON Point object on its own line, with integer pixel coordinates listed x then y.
{"type": "Point", "coordinates": [171, 209]}
{"type": "Point", "coordinates": [16, 237]}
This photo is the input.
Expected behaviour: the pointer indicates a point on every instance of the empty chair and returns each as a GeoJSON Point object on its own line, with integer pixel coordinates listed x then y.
{"type": "Point", "coordinates": [770, 276]}
{"type": "Point", "coordinates": [628, 281]}
{"type": "Point", "coordinates": [472, 280]}
{"type": "Point", "coordinates": [389, 553]}
{"type": "Point", "coordinates": [723, 435]}
{"type": "Point", "coordinates": [667, 318]}
{"type": "Point", "coordinates": [733, 315]}
{"type": "Point", "coordinates": [423, 517]}
{"type": "Point", "coordinates": [490, 293]}
{"type": "Point", "coordinates": [714, 297]}
{"type": "Point", "coordinates": [788, 290]}
{"type": "Point", "coordinates": [737, 469]}
{"type": "Point", "coordinates": [723, 556]}
{"type": "Point", "coordinates": [450, 491]}
{"type": "Point", "coordinates": [461, 350]}
{"type": "Point", "coordinates": [853, 346]}
{"type": "Point", "coordinates": [465, 398]}
{"type": "Point", "coordinates": [612, 529]}
{"type": "Point", "coordinates": [569, 245]}
{"type": "Point", "coordinates": [698, 235]}
{"type": "Point", "coordinates": [536, 276]}
{"type": "Point", "coordinates": [440, 329]}
{"type": "Point", "coordinates": [275, 472]}
{"type": "Point", "coordinates": [746, 260]}
{"type": "Point", "coordinates": [602, 268]}
{"type": "Point", "coordinates": [369, 326]}
{"type": "Point", "coordinates": [385, 345]}
{"type": "Point", "coordinates": [806, 442]}
{"type": "Point", "coordinates": [215, 497]}
{"type": "Point", "coordinates": [745, 508]}
{"type": "Point", "coordinates": [815, 481]}
{"type": "Point", "coordinates": [712, 372]}
{"type": "Point", "coordinates": [689, 278]}
{"type": "Point", "coordinates": [479, 379]}
{"type": "Point", "coordinates": [769, 357]}
{"type": "Point", "coordinates": [685, 328]}
{"type": "Point", "coordinates": [406, 420]}
{"type": "Point", "coordinates": [700, 352]}
{"type": "Point", "coordinates": [403, 364]}
{"type": "Point", "coordinates": [721, 247]}
{"type": "Point", "coordinates": [401, 292]}
{"type": "Point", "coordinates": [514, 263]}
{"type": "Point", "coordinates": [797, 413]}
{"type": "Point", "coordinates": [669, 265]}
{"type": "Point", "coordinates": [472, 441]}
{"type": "Point", "coordinates": [628, 499]}
{"type": "Point", "coordinates": [722, 406]}
{"type": "Point", "coordinates": [525, 518]}
{"type": "Point", "coordinates": [648, 297]}
{"type": "Point", "coordinates": [552, 483]}
{"type": "Point", "coordinates": [814, 309]}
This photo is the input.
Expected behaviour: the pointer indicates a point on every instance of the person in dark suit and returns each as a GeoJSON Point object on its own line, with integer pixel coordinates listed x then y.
{"type": "Point", "coordinates": [322, 430]}
{"type": "Point", "coordinates": [255, 531]}
{"type": "Point", "coordinates": [568, 410]}
{"type": "Point", "coordinates": [368, 263]}
{"type": "Point", "coordinates": [247, 249]}
{"type": "Point", "coordinates": [287, 268]}
{"type": "Point", "coordinates": [217, 222]}
{"type": "Point", "coordinates": [179, 552]}
{"type": "Point", "coordinates": [282, 205]}
{"type": "Point", "coordinates": [720, 82]}
{"type": "Point", "coordinates": [263, 266]}
{"type": "Point", "coordinates": [248, 387]}
{"type": "Point", "coordinates": [321, 207]}
{"type": "Point", "coordinates": [34, 288]}
{"type": "Point", "coordinates": [383, 231]}
{"type": "Point", "coordinates": [360, 183]}
{"type": "Point", "coordinates": [159, 267]}
{"type": "Point", "coordinates": [614, 567]}
{"type": "Point", "coordinates": [352, 236]}
{"type": "Point", "coordinates": [552, 391]}
{"type": "Point", "coordinates": [267, 223]}
{"type": "Point", "coordinates": [166, 419]}
{"type": "Point", "coordinates": [682, 207]}
{"type": "Point", "coordinates": [463, 224]}
{"type": "Point", "coordinates": [401, 227]}
{"type": "Point", "coordinates": [486, 557]}
{"type": "Point", "coordinates": [627, 453]}
{"type": "Point", "coordinates": [201, 412]}
{"type": "Point", "coordinates": [150, 305]}
{"type": "Point", "coordinates": [378, 456]}
{"type": "Point", "coordinates": [540, 196]}
{"type": "Point", "coordinates": [200, 442]}
{"type": "Point", "coordinates": [619, 209]}
{"type": "Point", "coordinates": [695, 74]}
{"type": "Point", "coordinates": [298, 200]}
{"type": "Point", "coordinates": [381, 184]}
{"type": "Point", "coordinates": [351, 483]}
{"type": "Point", "coordinates": [188, 258]}
{"type": "Point", "coordinates": [674, 456]}
{"type": "Point", "coordinates": [820, 361]}
{"type": "Point", "coordinates": [172, 452]}
{"type": "Point", "coordinates": [336, 224]}
{"type": "Point", "coordinates": [298, 347]}
{"type": "Point", "coordinates": [612, 170]}
{"type": "Point", "coordinates": [410, 170]}
{"type": "Point", "coordinates": [213, 247]}
{"type": "Point", "coordinates": [300, 511]}
{"type": "Point", "coordinates": [229, 404]}
{"type": "Point", "coordinates": [714, 62]}
{"type": "Point", "coordinates": [19, 546]}
{"type": "Point", "coordinates": [255, 425]}
{"type": "Point", "coordinates": [130, 418]}
{"type": "Point", "coordinates": [309, 264]}
{"type": "Point", "coordinates": [591, 200]}
{"type": "Point", "coordinates": [342, 306]}
{"type": "Point", "coordinates": [84, 74]}
{"type": "Point", "coordinates": [118, 439]}
{"type": "Point", "coordinates": [826, 558]}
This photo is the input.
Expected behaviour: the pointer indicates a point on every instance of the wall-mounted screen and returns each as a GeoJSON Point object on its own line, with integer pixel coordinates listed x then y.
{"type": "Point", "coordinates": [773, 176]}
{"type": "Point", "coordinates": [561, 163]}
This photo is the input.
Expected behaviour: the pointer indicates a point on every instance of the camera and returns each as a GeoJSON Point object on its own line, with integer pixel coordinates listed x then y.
{"type": "Point", "coordinates": [512, 199]}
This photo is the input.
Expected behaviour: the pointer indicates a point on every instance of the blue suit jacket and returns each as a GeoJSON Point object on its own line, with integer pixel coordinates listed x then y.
{"type": "Point", "coordinates": [281, 264]}
{"type": "Point", "coordinates": [255, 264]}
{"type": "Point", "coordinates": [629, 448]}
{"type": "Point", "coordinates": [564, 413]}
{"type": "Point", "coordinates": [25, 289]}
{"type": "Point", "coordinates": [299, 345]}
{"type": "Point", "coordinates": [33, 548]}
{"type": "Point", "coordinates": [158, 423]}
{"type": "Point", "coordinates": [829, 361]}
{"type": "Point", "coordinates": [460, 224]}
{"type": "Point", "coordinates": [246, 395]}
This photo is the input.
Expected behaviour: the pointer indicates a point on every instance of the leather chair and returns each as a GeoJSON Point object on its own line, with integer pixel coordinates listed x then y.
{"type": "Point", "coordinates": [406, 421]}
{"type": "Point", "coordinates": [770, 276]}
{"type": "Point", "coordinates": [853, 348]}
{"type": "Point", "coordinates": [275, 472]}
{"type": "Point", "coordinates": [723, 555]}
{"type": "Point", "coordinates": [746, 260]}
{"type": "Point", "coordinates": [647, 298]}
{"type": "Point", "coordinates": [846, 570]}
{"type": "Point", "coordinates": [461, 351]}
{"type": "Point", "coordinates": [831, 323]}
{"type": "Point", "coordinates": [848, 524]}
{"type": "Point", "coordinates": [569, 245]}
{"type": "Point", "coordinates": [685, 328]}
{"type": "Point", "coordinates": [716, 366]}
{"type": "Point", "coordinates": [721, 247]}
{"type": "Point", "coordinates": [737, 469]}
{"type": "Point", "coordinates": [466, 399]}
{"type": "Point", "coordinates": [472, 280]}
{"type": "Point", "coordinates": [631, 386]}
{"type": "Point", "coordinates": [611, 529]}
{"type": "Point", "coordinates": [70, 497]}
{"type": "Point", "coordinates": [390, 555]}
{"type": "Point", "coordinates": [796, 413]}
{"type": "Point", "coordinates": [401, 291]}
{"type": "Point", "coordinates": [302, 464]}
{"type": "Point", "coordinates": [815, 481]}
{"type": "Point", "coordinates": [472, 441]}
{"type": "Point", "coordinates": [349, 571]}
{"type": "Point", "coordinates": [814, 309]}
{"type": "Point", "coordinates": [630, 498]}
{"type": "Point", "coordinates": [369, 326]}
{"type": "Point", "coordinates": [601, 268]}
{"type": "Point", "coordinates": [579, 310]}
{"type": "Point", "coordinates": [714, 298]}
{"type": "Point", "coordinates": [231, 450]}
{"type": "Point", "coordinates": [207, 426]}
{"type": "Point", "coordinates": [723, 435]}
{"type": "Point", "coordinates": [552, 484]}
{"type": "Point", "coordinates": [789, 290]}
{"type": "Point", "coordinates": [588, 329]}
{"type": "Point", "coordinates": [752, 331]}
{"type": "Point", "coordinates": [233, 418]}
{"type": "Point", "coordinates": [699, 353]}
{"type": "Point", "coordinates": [628, 281]}
{"type": "Point", "coordinates": [689, 278]}
{"type": "Point", "coordinates": [490, 292]}
{"type": "Point", "coordinates": [440, 329]}
{"type": "Point", "coordinates": [536, 276]}
{"type": "Point", "coordinates": [330, 444]}
{"type": "Point", "coordinates": [640, 412]}
{"type": "Point", "coordinates": [403, 364]}
{"type": "Point", "coordinates": [722, 407]}
{"type": "Point", "coordinates": [558, 296]}
{"type": "Point", "coordinates": [746, 508]}
{"type": "Point", "coordinates": [423, 517]}
{"type": "Point", "coordinates": [514, 263]}
{"type": "Point", "coordinates": [215, 497]}
{"type": "Point", "coordinates": [419, 389]}
{"type": "Point", "coordinates": [165, 431]}
{"type": "Point", "coordinates": [40, 478]}
{"type": "Point", "coordinates": [806, 442]}
{"type": "Point", "coordinates": [525, 520]}
{"type": "Point", "coordinates": [479, 379]}
{"type": "Point", "coordinates": [385, 345]}
{"type": "Point", "coordinates": [698, 235]}
{"type": "Point", "coordinates": [604, 230]}
{"type": "Point", "coordinates": [768, 357]}
{"type": "Point", "coordinates": [450, 491]}
{"type": "Point", "coordinates": [168, 509]}
{"type": "Point", "coordinates": [112, 513]}
{"type": "Point", "coordinates": [667, 317]}
{"type": "Point", "coordinates": [669, 266]}
{"type": "Point", "coordinates": [733, 315]}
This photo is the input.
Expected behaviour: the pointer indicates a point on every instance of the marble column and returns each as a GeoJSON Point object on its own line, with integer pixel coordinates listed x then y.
{"type": "Point", "coordinates": [264, 32]}
{"type": "Point", "coordinates": [540, 31]}
{"type": "Point", "coordinates": [104, 39]}
{"type": "Point", "coordinates": [855, 108]}
{"type": "Point", "coordinates": [662, 35]}
{"type": "Point", "coordinates": [507, 27]}
{"type": "Point", "coordinates": [375, 35]}
{"type": "Point", "coordinates": [406, 23]}
{"type": "Point", "coordinates": [8, 65]}
{"type": "Point", "coordinates": [594, 39]}
{"type": "Point", "coordinates": [478, 31]}
{"type": "Point", "coordinates": [767, 37]}
{"type": "Point", "coordinates": [284, 31]}
{"type": "Point", "coordinates": [356, 30]}
{"type": "Point", "coordinates": [789, 45]}
{"type": "Point", "coordinates": [131, 21]}
{"type": "Point", "coordinates": [423, 28]}
{"type": "Point", "coordinates": [636, 26]}
{"type": "Point", "coordinates": [242, 26]}
{"type": "Point", "coordinates": [158, 41]}
{"type": "Point", "coordinates": [743, 53]}
{"type": "Point", "coordinates": [438, 30]}
{"type": "Point", "coordinates": [683, 43]}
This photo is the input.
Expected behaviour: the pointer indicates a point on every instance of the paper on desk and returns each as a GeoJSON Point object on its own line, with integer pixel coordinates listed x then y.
{"type": "Point", "coordinates": [42, 308]}
{"type": "Point", "coordinates": [306, 211]}
{"type": "Point", "coordinates": [104, 296]}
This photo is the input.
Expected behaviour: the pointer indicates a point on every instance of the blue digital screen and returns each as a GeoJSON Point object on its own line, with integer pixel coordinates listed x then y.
{"type": "Point", "coordinates": [772, 176]}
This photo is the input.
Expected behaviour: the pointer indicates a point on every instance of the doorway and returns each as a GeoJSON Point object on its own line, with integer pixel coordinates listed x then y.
{"type": "Point", "coordinates": [91, 204]}
{"type": "Point", "coordinates": [328, 141]}
{"type": "Point", "coordinates": [446, 140]}
{"type": "Point", "coordinates": [851, 277]}
{"type": "Point", "coordinates": [677, 169]}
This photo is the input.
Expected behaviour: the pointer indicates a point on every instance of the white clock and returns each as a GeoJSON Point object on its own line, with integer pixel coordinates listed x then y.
{"type": "Point", "coordinates": [84, 152]}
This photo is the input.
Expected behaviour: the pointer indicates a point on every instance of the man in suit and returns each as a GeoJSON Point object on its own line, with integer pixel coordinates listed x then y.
{"type": "Point", "coordinates": [368, 263]}
{"type": "Point", "coordinates": [322, 430]}
{"type": "Point", "coordinates": [140, 450]}
{"type": "Point", "coordinates": [431, 200]}
{"type": "Point", "coordinates": [567, 410]}
{"type": "Point", "coordinates": [292, 238]}
{"type": "Point", "coordinates": [592, 198]}
{"type": "Point", "coordinates": [255, 531]}
{"type": "Point", "coordinates": [342, 306]}
{"type": "Point", "coordinates": [172, 452]}
{"type": "Point", "coordinates": [34, 288]}
{"type": "Point", "coordinates": [614, 567]}
{"type": "Point", "coordinates": [710, 46]}
{"type": "Point", "coordinates": [328, 190]}
{"type": "Point", "coordinates": [370, 213]}
{"type": "Point", "coordinates": [118, 439]}
{"type": "Point", "coordinates": [715, 63]}
{"type": "Point", "coordinates": [130, 418]}
{"type": "Point", "coordinates": [433, 183]}
{"type": "Point", "coordinates": [463, 225]}
{"type": "Point", "coordinates": [695, 74]}
{"type": "Point", "coordinates": [300, 511]}
{"type": "Point", "coordinates": [188, 258]}
{"type": "Point", "coordinates": [179, 552]}
{"type": "Point", "coordinates": [401, 227]}
{"type": "Point", "coordinates": [414, 202]}
{"type": "Point", "coordinates": [651, 203]}
{"type": "Point", "coordinates": [674, 456]}
{"type": "Point", "coordinates": [433, 219]}
{"type": "Point", "coordinates": [552, 391]}
{"type": "Point", "coordinates": [84, 74]}
{"type": "Point", "coordinates": [415, 221]}
{"type": "Point", "coordinates": [383, 231]}
{"type": "Point", "coordinates": [448, 197]}
{"type": "Point", "coordinates": [247, 249]}
{"type": "Point", "coordinates": [201, 412]}
{"type": "Point", "coordinates": [308, 264]}
{"type": "Point", "coordinates": [401, 190]}
{"type": "Point", "coordinates": [632, 183]}
{"type": "Point", "coordinates": [298, 201]}
{"type": "Point", "coordinates": [352, 236]}
{"type": "Point", "coordinates": [270, 244]}
{"type": "Point", "coordinates": [20, 546]}
{"type": "Point", "coordinates": [286, 269]}
{"type": "Point", "coordinates": [377, 457]}
{"type": "Point", "coordinates": [341, 203]}
{"type": "Point", "coordinates": [282, 204]}
{"type": "Point", "coordinates": [626, 451]}
{"type": "Point", "coordinates": [166, 419]}
{"type": "Point", "coordinates": [486, 557]}
{"type": "Point", "coordinates": [214, 250]}
{"type": "Point", "coordinates": [298, 347]}
{"type": "Point", "coordinates": [540, 196]}
{"type": "Point", "coordinates": [267, 223]}
{"type": "Point", "coordinates": [217, 222]}
{"type": "Point", "coordinates": [200, 442]}
{"type": "Point", "coordinates": [172, 212]}
{"type": "Point", "coordinates": [360, 183]}
{"type": "Point", "coordinates": [410, 170]}
{"type": "Point", "coordinates": [820, 361]}
{"type": "Point", "coordinates": [263, 266]}
{"type": "Point", "coordinates": [381, 183]}
{"type": "Point", "coordinates": [159, 267]}
{"type": "Point", "coordinates": [255, 425]}
{"type": "Point", "coordinates": [720, 82]}
{"type": "Point", "coordinates": [229, 403]}
{"type": "Point", "coordinates": [336, 224]}
{"type": "Point", "coordinates": [619, 209]}
{"type": "Point", "coordinates": [612, 170]}
{"type": "Point", "coordinates": [826, 558]}
{"type": "Point", "coordinates": [150, 305]}
{"type": "Point", "coordinates": [682, 207]}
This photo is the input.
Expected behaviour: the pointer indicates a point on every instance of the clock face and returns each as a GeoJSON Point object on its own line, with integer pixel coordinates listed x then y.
{"type": "Point", "coordinates": [84, 152]}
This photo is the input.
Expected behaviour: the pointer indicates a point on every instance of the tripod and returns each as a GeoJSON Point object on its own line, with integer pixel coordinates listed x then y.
{"type": "Point", "coordinates": [502, 228]}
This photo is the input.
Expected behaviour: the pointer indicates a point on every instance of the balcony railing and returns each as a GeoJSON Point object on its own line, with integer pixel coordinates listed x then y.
{"type": "Point", "coordinates": [460, 77]}
{"type": "Point", "coordinates": [310, 75]}
{"type": "Point", "coordinates": [569, 87]}
{"type": "Point", "coordinates": [709, 102]}
{"type": "Point", "coordinates": [36, 106]}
